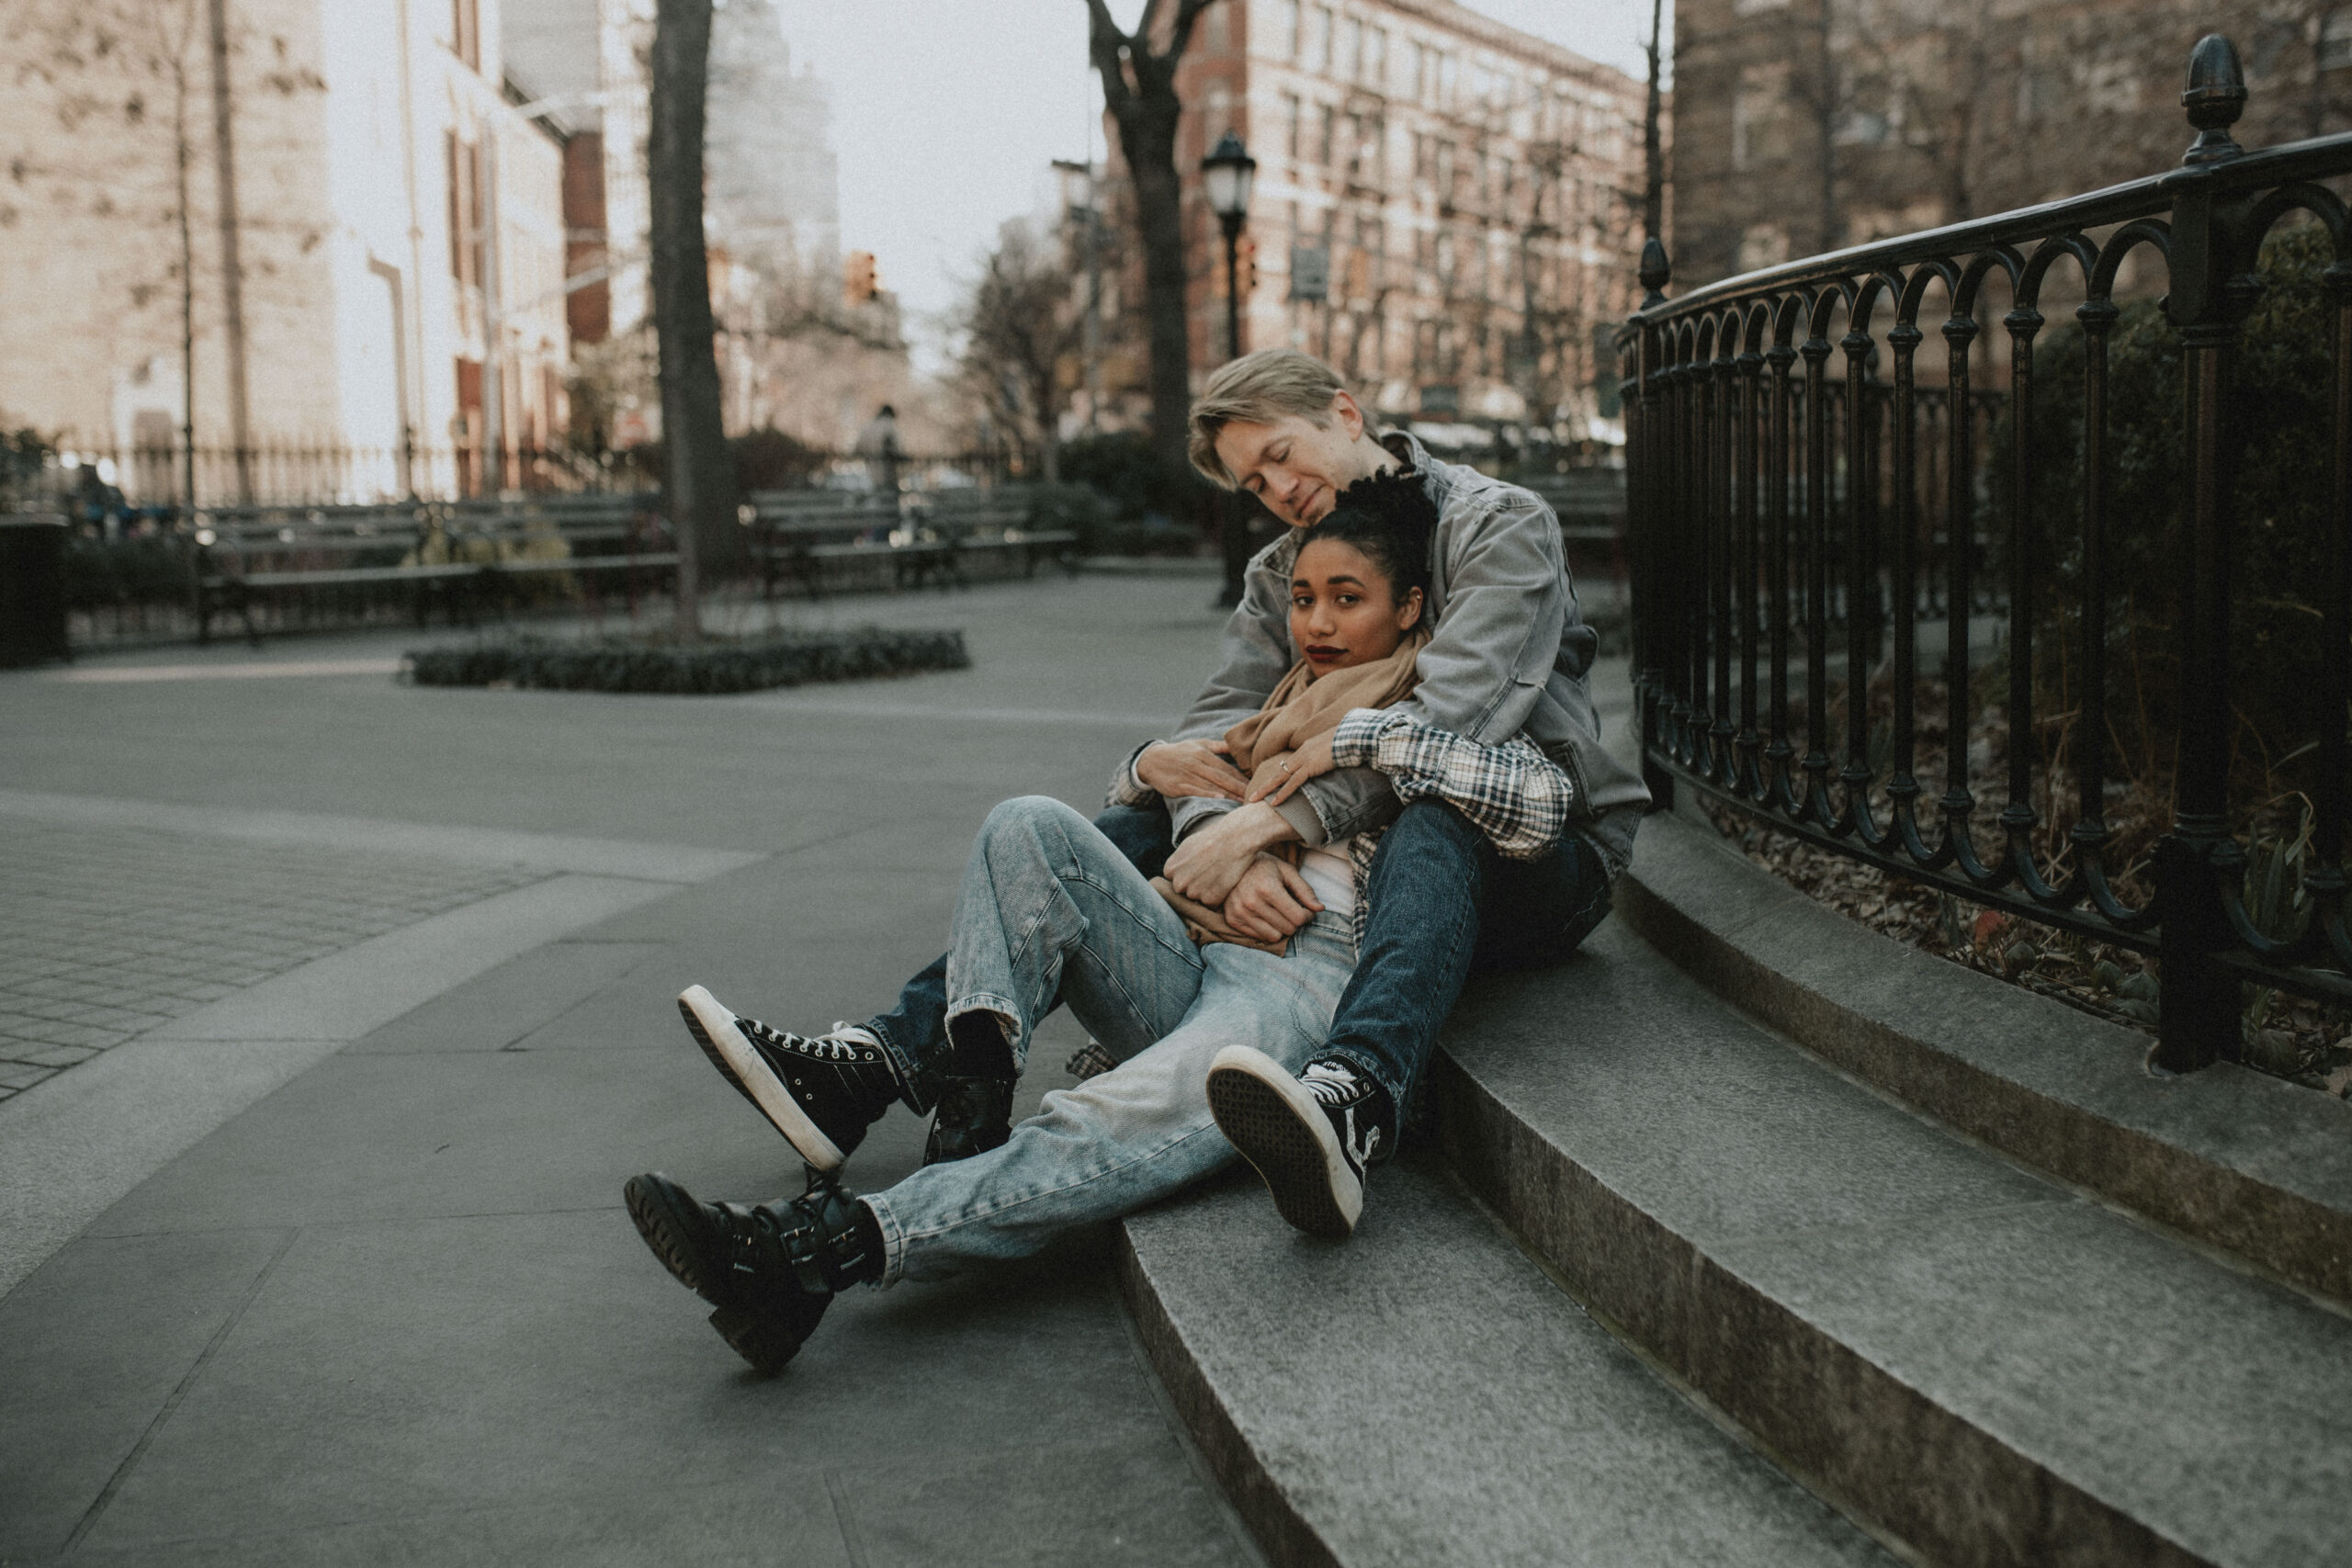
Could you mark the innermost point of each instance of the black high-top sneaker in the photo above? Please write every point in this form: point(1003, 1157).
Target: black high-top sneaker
point(820, 1092)
point(769, 1268)
point(973, 1116)
point(1309, 1136)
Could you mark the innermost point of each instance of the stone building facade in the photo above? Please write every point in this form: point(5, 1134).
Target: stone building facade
point(1446, 208)
point(1807, 125)
point(795, 352)
point(390, 212)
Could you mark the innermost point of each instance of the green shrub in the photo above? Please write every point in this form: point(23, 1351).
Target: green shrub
point(147, 570)
point(1126, 471)
point(769, 458)
point(690, 669)
point(1079, 508)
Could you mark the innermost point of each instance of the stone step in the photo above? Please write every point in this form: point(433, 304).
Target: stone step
point(2250, 1164)
point(1424, 1393)
point(1985, 1364)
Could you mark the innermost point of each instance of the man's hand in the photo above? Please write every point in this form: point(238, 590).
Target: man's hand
point(1270, 901)
point(1209, 862)
point(1191, 768)
point(1279, 782)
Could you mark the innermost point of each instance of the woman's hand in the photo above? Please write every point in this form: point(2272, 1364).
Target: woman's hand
point(1212, 856)
point(1191, 768)
point(1270, 901)
point(1277, 784)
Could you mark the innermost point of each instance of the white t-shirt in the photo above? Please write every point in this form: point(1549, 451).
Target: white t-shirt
point(1329, 869)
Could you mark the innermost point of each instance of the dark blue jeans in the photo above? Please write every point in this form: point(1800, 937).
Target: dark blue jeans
point(914, 1032)
point(1444, 905)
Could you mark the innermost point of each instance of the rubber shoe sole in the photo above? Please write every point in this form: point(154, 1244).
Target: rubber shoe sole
point(767, 1338)
point(714, 1030)
point(1282, 1131)
point(673, 1228)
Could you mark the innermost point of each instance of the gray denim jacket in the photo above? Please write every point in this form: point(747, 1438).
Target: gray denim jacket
point(1508, 654)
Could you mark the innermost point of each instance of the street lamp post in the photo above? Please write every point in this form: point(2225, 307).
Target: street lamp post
point(1225, 174)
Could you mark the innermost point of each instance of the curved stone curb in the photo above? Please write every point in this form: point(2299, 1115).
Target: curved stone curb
point(1425, 1394)
point(2250, 1164)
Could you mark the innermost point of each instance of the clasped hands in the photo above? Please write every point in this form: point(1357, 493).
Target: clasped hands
point(1226, 862)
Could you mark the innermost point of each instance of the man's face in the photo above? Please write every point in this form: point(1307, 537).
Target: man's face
point(1296, 466)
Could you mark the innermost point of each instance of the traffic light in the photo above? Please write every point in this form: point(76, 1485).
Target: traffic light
point(1247, 258)
point(858, 282)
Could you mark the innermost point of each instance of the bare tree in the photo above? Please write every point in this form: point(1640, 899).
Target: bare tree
point(1020, 335)
point(700, 482)
point(1139, 91)
point(1652, 154)
point(233, 270)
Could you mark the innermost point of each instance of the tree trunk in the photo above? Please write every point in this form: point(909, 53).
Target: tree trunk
point(233, 270)
point(1147, 139)
point(1139, 90)
point(699, 483)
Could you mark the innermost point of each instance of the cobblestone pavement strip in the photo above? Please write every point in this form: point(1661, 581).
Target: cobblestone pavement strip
point(104, 934)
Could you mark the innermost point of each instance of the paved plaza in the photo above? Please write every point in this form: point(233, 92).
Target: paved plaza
point(335, 1013)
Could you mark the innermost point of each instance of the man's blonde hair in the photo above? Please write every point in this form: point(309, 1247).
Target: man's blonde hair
point(1259, 389)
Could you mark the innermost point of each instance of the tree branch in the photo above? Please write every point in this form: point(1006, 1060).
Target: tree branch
point(1103, 43)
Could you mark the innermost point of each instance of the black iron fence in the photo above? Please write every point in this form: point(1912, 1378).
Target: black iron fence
point(116, 485)
point(2067, 547)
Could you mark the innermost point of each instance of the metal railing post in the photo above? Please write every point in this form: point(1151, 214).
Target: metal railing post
point(2199, 1002)
point(1646, 499)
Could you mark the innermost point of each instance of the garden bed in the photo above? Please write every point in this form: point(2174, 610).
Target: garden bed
point(709, 667)
point(2286, 1035)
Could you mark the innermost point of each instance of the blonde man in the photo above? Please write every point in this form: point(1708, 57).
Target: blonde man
point(1509, 654)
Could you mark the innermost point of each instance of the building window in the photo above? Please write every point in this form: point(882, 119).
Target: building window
point(2335, 41)
point(1324, 136)
point(465, 31)
point(1351, 61)
point(469, 238)
point(1318, 57)
point(1375, 57)
point(1293, 113)
point(1445, 67)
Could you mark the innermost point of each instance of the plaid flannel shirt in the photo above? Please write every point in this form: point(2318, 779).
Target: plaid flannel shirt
point(1512, 792)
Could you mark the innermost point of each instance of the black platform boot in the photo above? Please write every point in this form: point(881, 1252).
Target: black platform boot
point(770, 1269)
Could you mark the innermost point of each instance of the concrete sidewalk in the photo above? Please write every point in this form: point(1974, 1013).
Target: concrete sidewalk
point(322, 1257)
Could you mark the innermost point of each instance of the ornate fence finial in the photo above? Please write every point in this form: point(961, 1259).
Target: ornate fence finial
point(1655, 271)
point(2215, 98)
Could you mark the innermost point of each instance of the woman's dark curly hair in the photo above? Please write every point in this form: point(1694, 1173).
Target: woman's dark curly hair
point(1391, 519)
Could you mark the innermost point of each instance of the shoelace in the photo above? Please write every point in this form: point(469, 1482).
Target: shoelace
point(827, 1047)
point(1331, 1085)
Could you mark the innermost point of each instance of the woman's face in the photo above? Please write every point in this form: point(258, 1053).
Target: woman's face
point(1344, 610)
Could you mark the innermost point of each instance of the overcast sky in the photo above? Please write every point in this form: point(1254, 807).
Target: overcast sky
point(947, 113)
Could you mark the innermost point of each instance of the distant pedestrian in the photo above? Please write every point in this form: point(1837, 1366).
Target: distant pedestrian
point(878, 444)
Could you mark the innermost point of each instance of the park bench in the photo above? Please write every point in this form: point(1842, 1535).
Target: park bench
point(465, 553)
point(816, 538)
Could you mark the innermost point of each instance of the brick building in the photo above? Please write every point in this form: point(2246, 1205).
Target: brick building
point(389, 207)
point(1806, 125)
point(1446, 208)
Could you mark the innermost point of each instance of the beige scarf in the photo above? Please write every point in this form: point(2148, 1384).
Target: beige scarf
point(1301, 708)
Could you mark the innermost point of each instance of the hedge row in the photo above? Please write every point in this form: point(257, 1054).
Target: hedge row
point(703, 669)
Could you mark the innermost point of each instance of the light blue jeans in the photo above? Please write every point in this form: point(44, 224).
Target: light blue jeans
point(1050, 909)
